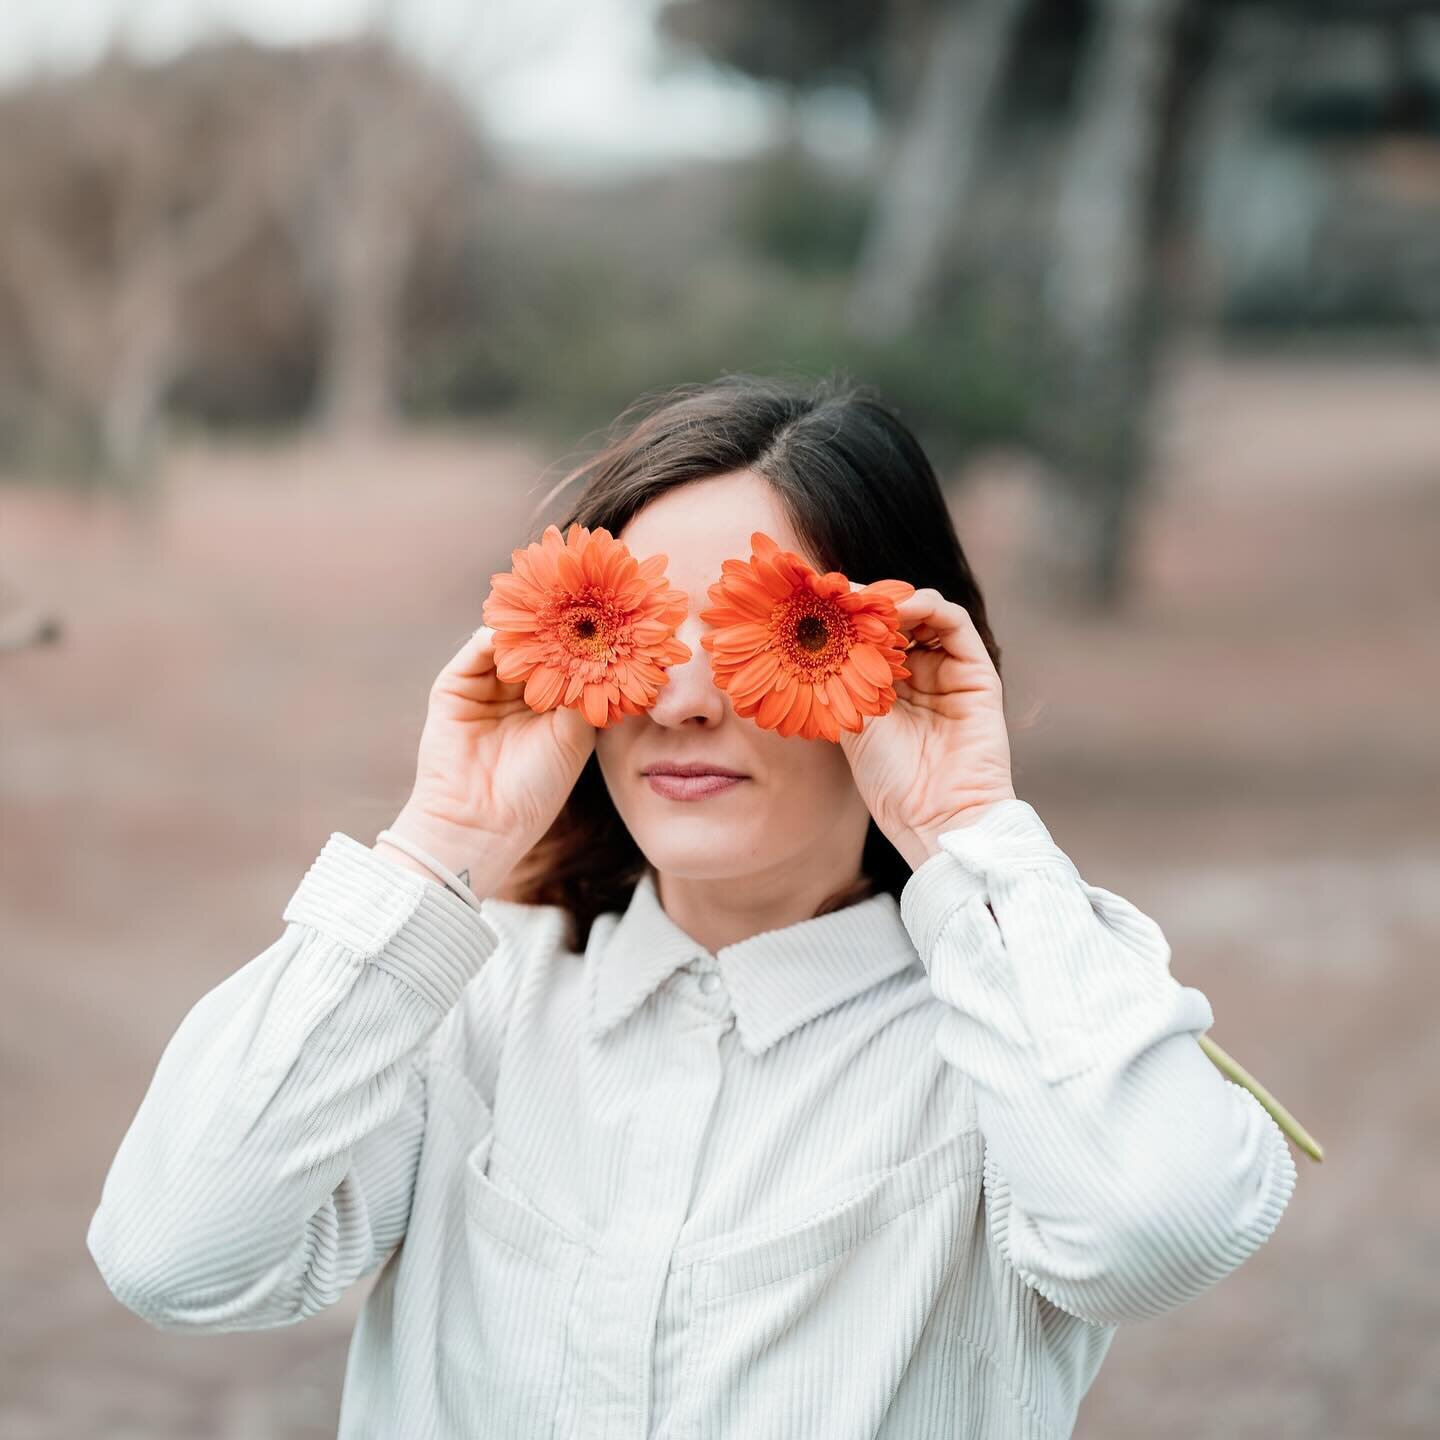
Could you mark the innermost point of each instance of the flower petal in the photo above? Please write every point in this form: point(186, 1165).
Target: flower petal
point(822, 720)
point(799, 715)
point(778, 585)
point(744, 638)
point(774, 707)
point(838, 695)
point(762, 545)
point(542, 689)
point(862, 693)
point(595, 705)
point(870, 663)
point(755, 675)
point(748, 594)
point(893, 590)
point(571, 571)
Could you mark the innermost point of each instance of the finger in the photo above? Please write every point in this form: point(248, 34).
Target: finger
point(476, 656)
point(930, 615)
point(923, 636)
point(471, 673)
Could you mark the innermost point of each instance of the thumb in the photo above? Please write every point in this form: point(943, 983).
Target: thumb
point(572, 729)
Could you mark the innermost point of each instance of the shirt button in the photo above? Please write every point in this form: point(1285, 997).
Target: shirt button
point(709, 982)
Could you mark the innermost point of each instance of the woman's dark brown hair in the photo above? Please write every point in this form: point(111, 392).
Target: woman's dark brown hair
point(857, 488)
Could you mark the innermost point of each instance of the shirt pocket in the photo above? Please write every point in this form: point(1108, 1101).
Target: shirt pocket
point(511, 1356)
point(833, 1307)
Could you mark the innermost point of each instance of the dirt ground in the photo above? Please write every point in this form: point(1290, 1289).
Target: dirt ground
point(1248, 752)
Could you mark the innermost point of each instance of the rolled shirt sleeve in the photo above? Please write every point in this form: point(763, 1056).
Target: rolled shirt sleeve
point(1124, 1174)
point(272, 1160)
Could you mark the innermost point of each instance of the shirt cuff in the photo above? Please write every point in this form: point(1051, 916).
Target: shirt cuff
point(385, 915)
point(1009, 832)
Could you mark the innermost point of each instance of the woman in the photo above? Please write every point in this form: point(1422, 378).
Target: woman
point(826, 1101)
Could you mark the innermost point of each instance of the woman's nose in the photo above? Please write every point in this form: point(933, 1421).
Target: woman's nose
point(690, 690)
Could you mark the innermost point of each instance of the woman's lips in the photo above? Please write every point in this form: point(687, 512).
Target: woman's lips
point(693, 787)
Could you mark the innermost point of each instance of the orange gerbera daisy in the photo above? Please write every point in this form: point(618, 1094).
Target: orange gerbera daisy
point(802, 652)
point(581, 622)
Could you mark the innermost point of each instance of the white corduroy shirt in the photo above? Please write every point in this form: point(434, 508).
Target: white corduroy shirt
point(898, 1170)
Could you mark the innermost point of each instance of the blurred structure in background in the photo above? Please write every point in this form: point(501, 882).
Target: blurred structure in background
point(238, 234)
point(248, 235)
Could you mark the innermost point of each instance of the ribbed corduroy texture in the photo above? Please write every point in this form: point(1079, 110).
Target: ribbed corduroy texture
point(896, 1171)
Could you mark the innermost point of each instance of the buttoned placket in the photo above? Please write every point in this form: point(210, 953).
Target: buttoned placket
point(692, 1015)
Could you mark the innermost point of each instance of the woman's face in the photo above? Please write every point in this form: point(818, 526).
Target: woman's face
point(797, 817)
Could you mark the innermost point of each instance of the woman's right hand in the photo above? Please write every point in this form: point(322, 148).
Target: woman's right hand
point(492, 774)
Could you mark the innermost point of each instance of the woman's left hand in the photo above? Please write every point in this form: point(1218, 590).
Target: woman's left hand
point(942, 753)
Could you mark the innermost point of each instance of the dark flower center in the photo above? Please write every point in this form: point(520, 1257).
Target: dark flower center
point(590, 627)
point(811, 634)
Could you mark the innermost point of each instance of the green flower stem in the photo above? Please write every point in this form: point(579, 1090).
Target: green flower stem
point(1286, 1121)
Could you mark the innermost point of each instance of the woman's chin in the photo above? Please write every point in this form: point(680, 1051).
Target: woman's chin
point(699, 851)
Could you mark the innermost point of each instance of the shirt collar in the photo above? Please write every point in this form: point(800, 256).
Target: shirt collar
point(776, 980)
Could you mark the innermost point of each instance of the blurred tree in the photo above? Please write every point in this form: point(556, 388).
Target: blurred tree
point(930, 170)
point(930, 68)
point(800, 44)
point(385, 149)
point(1102, 298)
point(109, 211)
point(954, 92)
point(135, 201)
point(790, 211)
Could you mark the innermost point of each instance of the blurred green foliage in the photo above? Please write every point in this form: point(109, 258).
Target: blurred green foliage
point(585, 322)
point(790, 212)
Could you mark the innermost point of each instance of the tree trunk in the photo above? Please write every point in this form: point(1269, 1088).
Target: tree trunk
point(932, 166)
point(368, 242)
point(1101, 291)
point(1102, 235)
point(146, 338)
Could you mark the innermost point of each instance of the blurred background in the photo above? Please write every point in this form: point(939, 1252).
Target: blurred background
point(305, 309)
